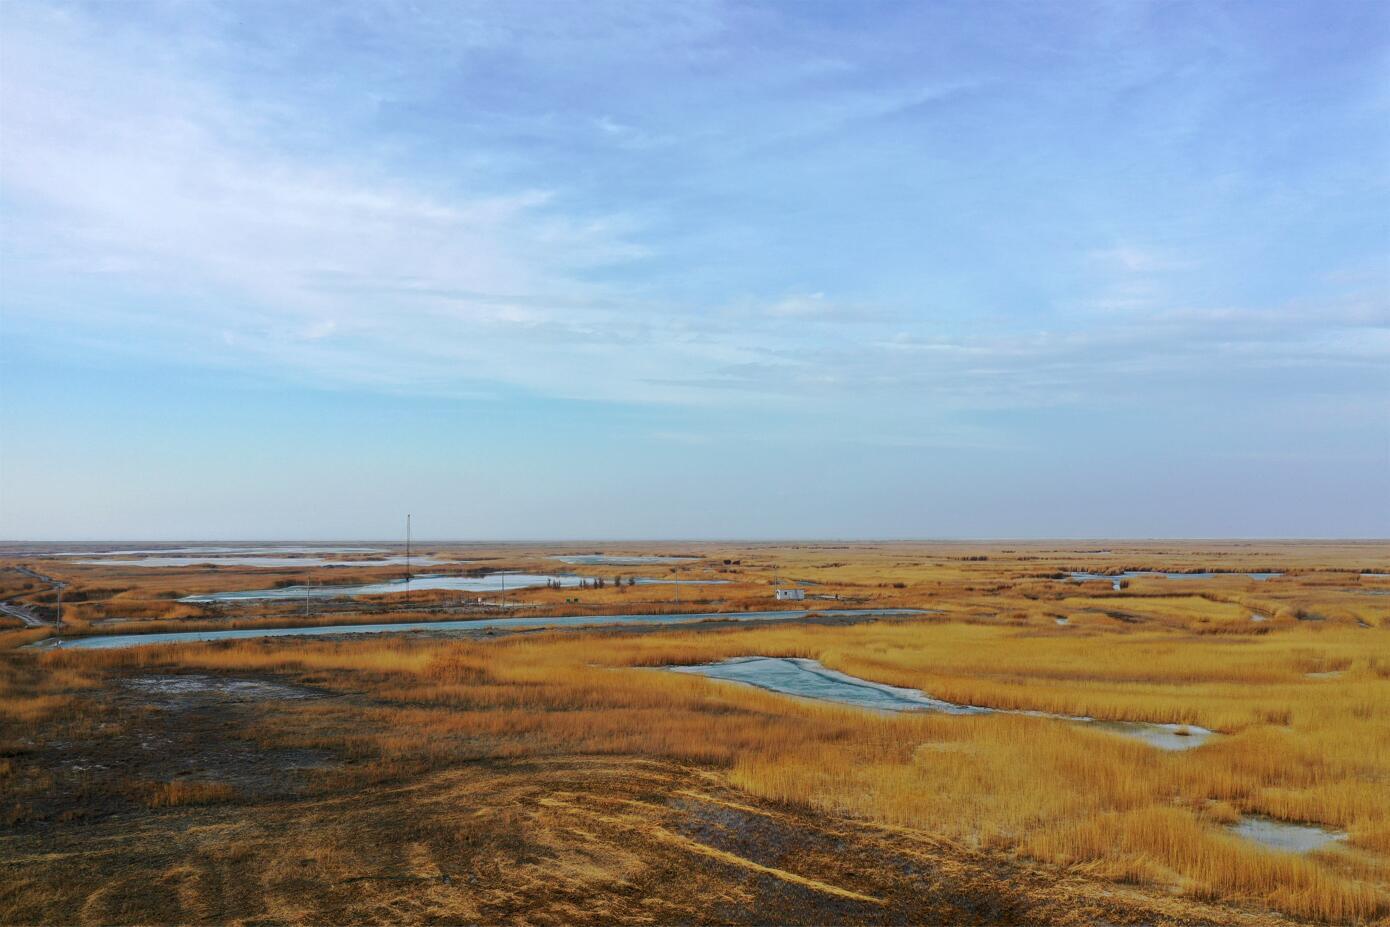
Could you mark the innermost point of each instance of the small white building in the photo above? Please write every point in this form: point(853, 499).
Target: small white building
point(790, 595)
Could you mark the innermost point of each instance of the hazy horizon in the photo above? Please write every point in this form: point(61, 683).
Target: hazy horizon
point(694, 271)
point(573, 541)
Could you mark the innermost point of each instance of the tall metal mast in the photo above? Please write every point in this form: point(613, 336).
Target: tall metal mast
point(407, 549)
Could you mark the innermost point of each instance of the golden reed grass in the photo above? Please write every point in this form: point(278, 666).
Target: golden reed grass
point(1314, 749)
point(187, 792)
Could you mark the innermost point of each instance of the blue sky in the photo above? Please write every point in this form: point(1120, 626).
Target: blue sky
point(539, 270)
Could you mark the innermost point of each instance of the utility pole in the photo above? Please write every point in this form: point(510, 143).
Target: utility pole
point(407, 551)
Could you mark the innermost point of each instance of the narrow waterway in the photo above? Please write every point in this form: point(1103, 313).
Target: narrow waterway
point(809, 679)
point(1281, 835)
point(491, 582)
point(471, 624)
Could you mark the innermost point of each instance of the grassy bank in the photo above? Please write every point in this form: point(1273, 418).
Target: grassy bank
point(1295, 747)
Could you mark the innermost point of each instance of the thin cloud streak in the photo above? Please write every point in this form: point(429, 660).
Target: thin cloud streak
point(909, 230)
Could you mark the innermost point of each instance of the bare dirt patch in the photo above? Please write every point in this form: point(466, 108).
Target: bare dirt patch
point(174, 686)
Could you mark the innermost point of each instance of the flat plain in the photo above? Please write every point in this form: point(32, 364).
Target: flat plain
point(527, 774)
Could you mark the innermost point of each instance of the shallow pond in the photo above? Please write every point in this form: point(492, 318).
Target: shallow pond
point(219, 550)
point(491, 582)
point(1280, 835)
point(267, 561)
point(231, 687)
point(1162, 736)
point(620, 559)
point(470, 624)
point(1082, 576)
point(809, 679)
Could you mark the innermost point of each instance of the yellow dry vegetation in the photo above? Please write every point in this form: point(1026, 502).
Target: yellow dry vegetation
point(1300, 699)
point(187, 792)
point(1296, 747)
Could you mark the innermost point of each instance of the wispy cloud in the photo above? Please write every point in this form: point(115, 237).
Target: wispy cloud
point(914, 255)
point(232, 223)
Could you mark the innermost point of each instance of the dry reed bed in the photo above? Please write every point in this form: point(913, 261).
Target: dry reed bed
point(1315, 750)
point(1015, 582)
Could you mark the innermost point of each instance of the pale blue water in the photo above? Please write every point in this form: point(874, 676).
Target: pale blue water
point(219, 550)
point(470, 624)
point(1279, 835)
point(491, 582)
point(620, 559)
point(809, 679)
point(1081, 576)
point(268, 562)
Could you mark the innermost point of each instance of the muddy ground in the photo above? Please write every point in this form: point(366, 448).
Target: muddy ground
point(552, 840)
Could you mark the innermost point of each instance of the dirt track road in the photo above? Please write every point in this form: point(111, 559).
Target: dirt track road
point(24, 613)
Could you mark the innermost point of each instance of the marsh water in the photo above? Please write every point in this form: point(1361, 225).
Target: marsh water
point(1115, 579)
point(490, 582)
point(279, 549)
point(1280, 835)
point(266, 562)
point(809, 679)
point(620, 559)
point(472, 624)
point(1082, 576)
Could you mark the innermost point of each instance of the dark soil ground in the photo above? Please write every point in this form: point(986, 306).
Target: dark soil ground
point(553, 840)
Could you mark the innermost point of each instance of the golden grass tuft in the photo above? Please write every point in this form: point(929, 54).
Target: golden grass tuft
point(186, 792)
point(1060, 792)
point(1296, 747)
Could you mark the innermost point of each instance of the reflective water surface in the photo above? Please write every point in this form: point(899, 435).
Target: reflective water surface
point(491, 582)
point(1280, 835)
point(470, 624)
point(266, 561)
point(809, 679)
point(279, 549)
point(1082, 576)
point(620, 559)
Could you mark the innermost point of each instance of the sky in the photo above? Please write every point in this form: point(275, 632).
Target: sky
point(694, 269)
